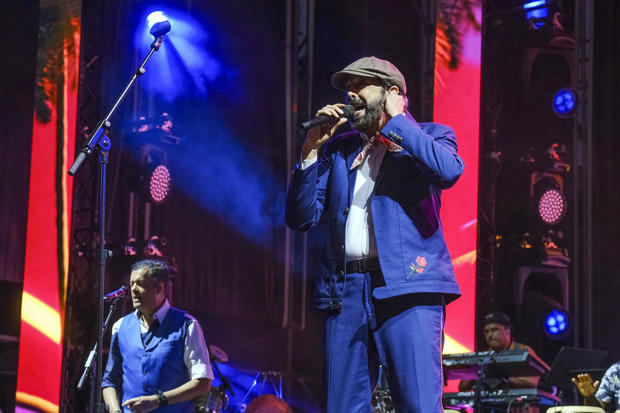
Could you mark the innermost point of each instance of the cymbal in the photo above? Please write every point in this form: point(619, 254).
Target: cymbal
point(268, 403)
point(217, 354)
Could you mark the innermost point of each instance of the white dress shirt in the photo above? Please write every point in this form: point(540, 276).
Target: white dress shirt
point(195, 356)
point(359, 235)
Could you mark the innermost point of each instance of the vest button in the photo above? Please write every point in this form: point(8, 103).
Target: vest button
point(346, 211)
point(341, 276)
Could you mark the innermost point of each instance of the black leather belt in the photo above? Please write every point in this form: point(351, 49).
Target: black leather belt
point(363, 265)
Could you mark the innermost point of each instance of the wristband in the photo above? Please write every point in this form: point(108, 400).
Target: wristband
point(163, 400)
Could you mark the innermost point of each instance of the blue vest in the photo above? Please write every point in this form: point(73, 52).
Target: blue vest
point(159, 365)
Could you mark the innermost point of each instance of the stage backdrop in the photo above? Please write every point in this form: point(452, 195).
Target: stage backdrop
point(457, 103)
point(49, 204)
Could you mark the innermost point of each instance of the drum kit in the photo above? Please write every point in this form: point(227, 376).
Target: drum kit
point(381, 399)
point(217, 400)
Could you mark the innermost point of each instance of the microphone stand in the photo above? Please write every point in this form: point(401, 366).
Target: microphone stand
point(99, 140)
point(91, 356)
point(225, 384)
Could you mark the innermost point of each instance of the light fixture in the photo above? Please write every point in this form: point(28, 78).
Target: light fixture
point(565, 102)
point(558, 324)
point(551, 205)
point(535, 11)
point(158, 23)
point(160, 184)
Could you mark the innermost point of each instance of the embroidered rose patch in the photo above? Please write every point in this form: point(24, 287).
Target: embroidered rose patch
point(417, 267)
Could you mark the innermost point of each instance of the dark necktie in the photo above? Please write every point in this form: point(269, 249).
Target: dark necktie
point(148, 336)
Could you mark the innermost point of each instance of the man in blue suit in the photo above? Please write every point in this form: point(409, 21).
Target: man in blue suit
point(385, 272)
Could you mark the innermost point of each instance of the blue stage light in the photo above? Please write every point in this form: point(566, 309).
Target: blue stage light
point(156, 17)
point(536, 10)
point(189, 64)
point(565, 102)
point(532, 4)
point(557, 324)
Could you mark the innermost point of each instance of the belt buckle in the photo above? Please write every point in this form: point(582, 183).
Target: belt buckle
point(363, 264)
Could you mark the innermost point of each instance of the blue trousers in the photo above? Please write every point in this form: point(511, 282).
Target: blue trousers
point(404, 334)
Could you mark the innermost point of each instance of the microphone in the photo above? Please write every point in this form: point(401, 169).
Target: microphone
point(348, 110)
point(160, 28)
point(120, 293)
point(158, 31)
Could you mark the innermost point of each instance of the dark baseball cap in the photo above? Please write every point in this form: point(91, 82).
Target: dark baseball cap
point(497, 317)
point(370, 67)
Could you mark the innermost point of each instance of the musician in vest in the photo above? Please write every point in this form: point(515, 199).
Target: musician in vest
point(158, 359)
point(385, 274)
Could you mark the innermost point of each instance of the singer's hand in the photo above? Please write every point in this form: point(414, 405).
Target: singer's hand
point(317, 136)
point(394, 104)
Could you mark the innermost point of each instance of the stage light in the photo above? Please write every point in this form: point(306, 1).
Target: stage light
point(533, 4)
point(547, 186)
point(160, 184)
point(551, 206)
point(535, 11)
point(565, 102)
point(156, 17)
point(558, 324)
point(156, 246)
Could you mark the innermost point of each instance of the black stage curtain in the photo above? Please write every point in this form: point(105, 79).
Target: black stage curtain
point(606, 105)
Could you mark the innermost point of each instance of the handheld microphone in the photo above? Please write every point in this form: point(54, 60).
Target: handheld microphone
point(349, 112)
point(120, 293)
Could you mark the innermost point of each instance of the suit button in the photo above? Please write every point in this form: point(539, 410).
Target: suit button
point(346, 211)
point(341, 276)
point(335, 306)
point(342, 247)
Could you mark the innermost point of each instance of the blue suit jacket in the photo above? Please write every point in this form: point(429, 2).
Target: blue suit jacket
point(405, 208)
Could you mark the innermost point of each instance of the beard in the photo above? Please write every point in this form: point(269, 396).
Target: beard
point(372, 112)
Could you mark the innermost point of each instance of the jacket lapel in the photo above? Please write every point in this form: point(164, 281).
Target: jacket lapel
point(389, 160)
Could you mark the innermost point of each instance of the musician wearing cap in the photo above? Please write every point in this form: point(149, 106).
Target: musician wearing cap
point(158, 358)
point(498, 335)
point(385, 273)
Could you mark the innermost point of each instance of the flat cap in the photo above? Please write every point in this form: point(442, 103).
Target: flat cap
point(370, 67)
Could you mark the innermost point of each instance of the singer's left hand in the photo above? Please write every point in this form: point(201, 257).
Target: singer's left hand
point(142, 404)
point(394, 104)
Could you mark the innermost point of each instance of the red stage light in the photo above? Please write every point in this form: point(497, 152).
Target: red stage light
point(160, 184)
